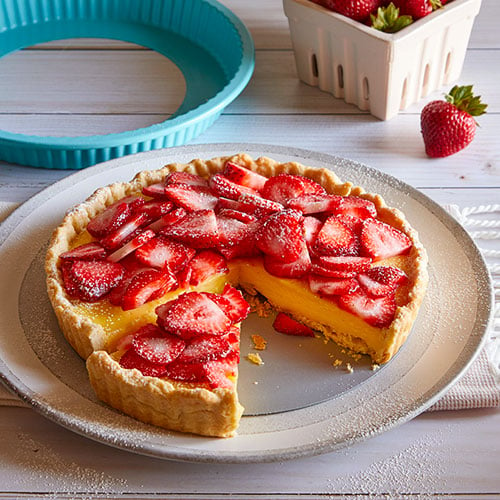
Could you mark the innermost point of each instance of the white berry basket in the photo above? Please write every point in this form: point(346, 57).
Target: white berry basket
point(379, 72)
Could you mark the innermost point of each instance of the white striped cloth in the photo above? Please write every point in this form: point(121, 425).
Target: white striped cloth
point(479, 387)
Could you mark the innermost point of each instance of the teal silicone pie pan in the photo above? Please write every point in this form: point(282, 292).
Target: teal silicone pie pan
point(208, 43)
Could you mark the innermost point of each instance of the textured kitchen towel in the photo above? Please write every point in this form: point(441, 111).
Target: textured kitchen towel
point(479, 387)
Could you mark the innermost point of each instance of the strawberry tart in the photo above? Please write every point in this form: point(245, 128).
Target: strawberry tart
point(150, 279)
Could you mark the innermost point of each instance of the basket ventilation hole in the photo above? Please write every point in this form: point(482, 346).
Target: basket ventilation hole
point(425, 83)
point(447, 64)
point(340, 76)
point(314, 65)
point(366, 89)
point(404, 94)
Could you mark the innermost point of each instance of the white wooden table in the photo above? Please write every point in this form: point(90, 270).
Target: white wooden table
point(84, 87)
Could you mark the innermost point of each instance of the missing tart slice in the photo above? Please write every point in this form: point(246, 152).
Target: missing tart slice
point(144, 276)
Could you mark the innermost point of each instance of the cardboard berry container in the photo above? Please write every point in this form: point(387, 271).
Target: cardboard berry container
point(379, 72)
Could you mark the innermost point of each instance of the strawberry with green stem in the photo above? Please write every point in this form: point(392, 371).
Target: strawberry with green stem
point(389, 20)
point(449, 126)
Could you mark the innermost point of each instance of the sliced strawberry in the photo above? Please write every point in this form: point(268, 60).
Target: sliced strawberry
point(191, 197)
point(244, 176)
point(192, 314)
point(357, 207)
point(147, 285)
point(156, 208)
point(227, 204)
point(124, 233)
point(88, 251)
point(236, 214)
point(168, 219)
point(285, 187)
point(186, 372)
point(205, 348)
point(258, 206)
point(90, 280)
point(330, 273)
point(346, 263)
point(281, 235)
point(157, 346)
point(131, 360)
point(110, 220)
point(184, 277)
point(382, 280)
point(285, 324)
point(125, 343)
point(160, 252)
point(205, 264)
point(156, 191)
point(378, 312)
point(135, 243)
point(335, 238)
point(295, 269)
point(322, 285)
point(221, 372)
point(220, 186)
point(238, 239)
point(312, 227)
point(231, 230)
point(315, 203)
point(355, 224)
point(185, 178)
point(197, 229)
point(381, 241)
point(232, 303)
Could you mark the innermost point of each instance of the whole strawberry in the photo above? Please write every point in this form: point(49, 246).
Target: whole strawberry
point(417, 8)
point(449, 126)
point(358, 10)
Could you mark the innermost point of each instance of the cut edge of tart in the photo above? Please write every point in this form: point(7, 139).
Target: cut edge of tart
point(199, 408)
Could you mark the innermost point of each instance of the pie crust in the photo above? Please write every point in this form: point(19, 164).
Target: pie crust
point(190, 407)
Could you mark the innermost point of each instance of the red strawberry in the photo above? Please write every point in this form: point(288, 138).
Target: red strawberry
point(185, 178)
point(207, 263)
point(191, 197)
point(358, 10)
point(220, 186)
point(285, 324)
point(357, 207)
point(110, 220)
point(156, 208)
point(132, 245)
point(236, 214)
point(205, 348)
point(316, 203)
point(160, 252)
point(295, 269)
point(90, 280)
point(417, 8)
point(346, 263)
point(285, 187)
point(257, 205)
point(88, 251)
point(156, 191)
point(192, 314)
point(124, 233)
point(147, 285)
point(168, 219)
point(232, 303)
point(226, 203)
point(155, 345)
point(332, 286)
point(381, 280)
point(352, 222)
point(197, 229)
point(231, 231)
point(312, 227)
point(449, 126)
point(281, 235)
point(335, 238)
point(378, 312)
point(218, 371)
point(331, 273)
point(186, 372)
point(381, 241)
point(244, 176)
point(131, 360)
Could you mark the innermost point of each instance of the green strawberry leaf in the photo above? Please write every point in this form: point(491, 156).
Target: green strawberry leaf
point(463, 98)
point(388, 19)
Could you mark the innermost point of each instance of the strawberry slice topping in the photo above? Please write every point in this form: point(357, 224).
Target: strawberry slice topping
point(156, 208)
point(312, 227)
point(191, 197)
point(244, 176)
point(131, 360)
point(316, 203)
point(168, 219)
point(295, 269)
point(357, 207)
point(232, 303)
point(88, 251)
point(285, 187)
point(156, 346)
point(257, 205)
point(381, 241)
point(207, 263)
point(147, 285)
point(125, 232)
point(110, 219)
point(205, 348)
point(332, 286)
point(281, 235)
point(335, 238)
point(192, 314)
point(346, 263)
point(287, 325)
point(382, 280)
point(221, 186)
point(185, 178)
point(331, 273)
point(378, 312)
point(132, 245)
point(236, 214)
point(197, 229)
point(160, 252)
point(91, 280)
point(156, 191)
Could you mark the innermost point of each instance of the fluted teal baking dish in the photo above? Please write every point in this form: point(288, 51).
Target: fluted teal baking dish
point(208, 43)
